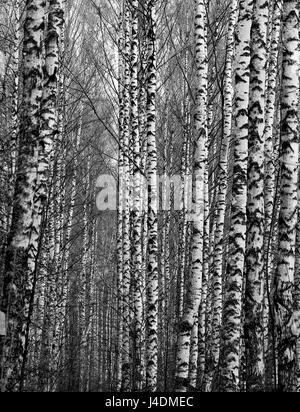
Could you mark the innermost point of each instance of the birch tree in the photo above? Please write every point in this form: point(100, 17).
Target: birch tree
point(126, 213)
point(231, 331)
point(48, 134)
point(16, 297)
point(221, 200)
point(254, 288)
point(136, 215)
point(287, 319)
point(152, 270)
point(193, 292)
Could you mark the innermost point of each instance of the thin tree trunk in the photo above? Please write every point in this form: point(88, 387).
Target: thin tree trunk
point(126, 213)
point(17, 287)
point(137, 272)
point(120, 211)
point(152, 269)
point(221, 203)
point(232, 311)
point(254, 289)
point(287, 319)
point(193, 292)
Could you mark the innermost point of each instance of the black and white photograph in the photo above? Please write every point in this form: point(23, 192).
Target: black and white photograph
point(149, 199)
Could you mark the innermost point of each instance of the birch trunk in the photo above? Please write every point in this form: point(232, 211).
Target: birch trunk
point(17, 289)
point(270, 182)
point(138, 381)
point(231, 332)
point(254, 292)
point(120, 211)
point(48, 134)
point(152, 269)
point(221, 203)
point(288, 319)
point(193, 292)
point(126, 214)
